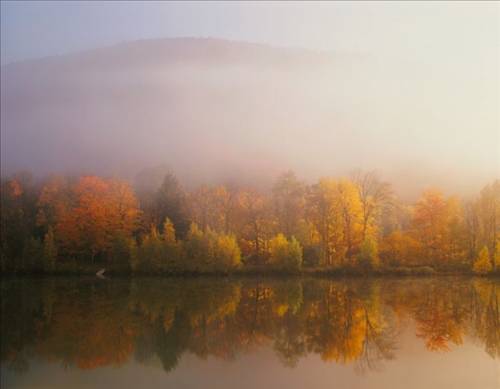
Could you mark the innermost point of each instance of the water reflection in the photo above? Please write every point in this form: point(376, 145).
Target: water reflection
point(86, 324)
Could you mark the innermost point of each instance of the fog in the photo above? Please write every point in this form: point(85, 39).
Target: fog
point(217, 111)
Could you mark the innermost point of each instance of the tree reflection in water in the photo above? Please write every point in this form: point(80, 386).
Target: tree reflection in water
point(92, 323)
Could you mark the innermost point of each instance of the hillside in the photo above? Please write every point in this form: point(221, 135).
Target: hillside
point(216, 110)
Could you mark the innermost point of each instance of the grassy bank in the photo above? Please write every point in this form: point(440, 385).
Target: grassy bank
point(78, 269)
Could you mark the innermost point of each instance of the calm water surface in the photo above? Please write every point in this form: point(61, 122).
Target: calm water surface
point(250, 333)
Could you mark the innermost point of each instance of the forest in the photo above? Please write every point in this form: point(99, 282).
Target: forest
point(80, 224)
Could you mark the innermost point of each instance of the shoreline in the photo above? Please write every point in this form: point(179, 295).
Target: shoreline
point(313, 273)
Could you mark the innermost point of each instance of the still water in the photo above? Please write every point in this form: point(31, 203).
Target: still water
point(250, 333)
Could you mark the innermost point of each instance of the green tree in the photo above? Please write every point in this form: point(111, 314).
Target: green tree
point(150, 252)
point(171, 202)
point(368, 253)
point(169, 231)
point(206, 251)
point(17, 217)
point(284, 253)
point(194, 248)
point(227, 253)
point(171, 246)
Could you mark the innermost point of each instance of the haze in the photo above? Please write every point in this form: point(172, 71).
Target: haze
point(412, 90)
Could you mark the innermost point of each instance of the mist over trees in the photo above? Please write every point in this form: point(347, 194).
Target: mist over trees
point(336, 224)
point(218, 111)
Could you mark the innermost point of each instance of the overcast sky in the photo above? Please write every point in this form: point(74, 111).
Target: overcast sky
point(430, 79)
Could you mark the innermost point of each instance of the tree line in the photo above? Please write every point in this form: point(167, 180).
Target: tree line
point(355, 223)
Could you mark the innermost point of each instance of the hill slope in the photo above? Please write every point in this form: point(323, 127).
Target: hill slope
point(217, 110)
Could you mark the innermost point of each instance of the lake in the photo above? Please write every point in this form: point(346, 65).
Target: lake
point(250, 333)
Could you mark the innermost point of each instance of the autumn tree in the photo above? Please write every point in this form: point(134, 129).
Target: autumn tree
point(374, 195)
point(482, 264)
point(98, 212)
point(214, 207)
point(435, 219)
point(209, 250)
point(288, 203)
point(400, 248)
point(157, 252)
point(368, 254)
point(225, 251)
point(489, 217)
point(324, 215)
point(169, 232)
point(149, 256)
point(56, 199)
point(335, 210)
point(285, 254)
point(472, 228)
point(347, 198)
point(256, 221)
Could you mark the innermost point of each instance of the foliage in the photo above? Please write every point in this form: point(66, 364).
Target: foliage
point(285, 254)
point(88, 215)
point(169, 232)
point(341, 224)
point(398, 248)
point(368, 254)
point(157, 252)
point(211, 250)
point(482, 264)
point(170, 202)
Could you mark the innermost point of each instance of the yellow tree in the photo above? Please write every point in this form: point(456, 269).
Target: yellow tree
point(324, 215)
point(489, 217)
point(169, 231)
point(373, 195)
point(349, 204)
point(334, 209)
point(456, 245)
point(482, 264)
point(472, 228)
point(256, 220)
